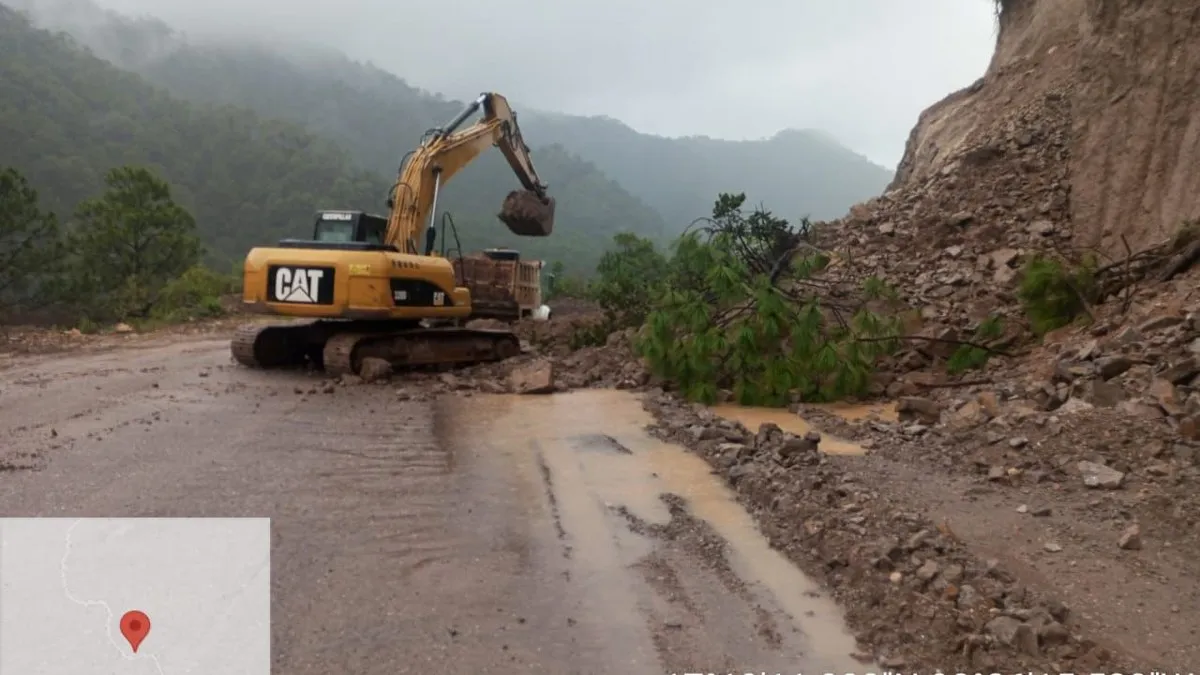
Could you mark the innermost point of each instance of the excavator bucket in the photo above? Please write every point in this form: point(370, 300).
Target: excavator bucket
point(528, 215)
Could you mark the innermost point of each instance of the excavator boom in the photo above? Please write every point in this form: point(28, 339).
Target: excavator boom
point(447, 150)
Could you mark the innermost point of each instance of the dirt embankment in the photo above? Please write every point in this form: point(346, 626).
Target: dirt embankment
point(1089, 116)
point(1080, 138)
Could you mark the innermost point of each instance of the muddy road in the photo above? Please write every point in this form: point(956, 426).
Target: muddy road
point(474, 533)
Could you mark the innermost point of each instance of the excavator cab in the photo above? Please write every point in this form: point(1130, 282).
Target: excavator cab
point(344, 231)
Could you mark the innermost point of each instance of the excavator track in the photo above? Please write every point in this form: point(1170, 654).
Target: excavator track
point(340, 346)
point(443, 345)
point(278, 345)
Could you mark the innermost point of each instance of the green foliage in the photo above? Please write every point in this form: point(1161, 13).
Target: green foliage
point(561, 285)
point(628, 280)
point(132, 255)
point(730, 312)
point(196, 294)
point(1053, 295)
point(969, 357)
point(128, 244)
point(377, 117)
point(67, 117)
point(30, 243)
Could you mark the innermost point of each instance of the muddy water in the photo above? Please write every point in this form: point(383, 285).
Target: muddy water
point(752, 418)
point(584, 458)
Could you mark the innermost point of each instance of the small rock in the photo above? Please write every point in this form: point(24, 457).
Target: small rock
point(1100, 476)
point(536, 377)
point(1053, 633)
point(1131, 538)
point(928, 571)
point(375, 369)
point(1014, 633)
point(953, 574)
point(1052, 547)
point(923, 409)
point(1112, 366)
point(122, 328)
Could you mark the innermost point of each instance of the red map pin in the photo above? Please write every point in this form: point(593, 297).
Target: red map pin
point(135, 626)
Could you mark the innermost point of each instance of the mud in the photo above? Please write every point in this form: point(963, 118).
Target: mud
point(704, 571)
point(546, 534)
point(753, 418)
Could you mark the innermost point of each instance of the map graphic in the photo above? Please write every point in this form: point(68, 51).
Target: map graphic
point(135, 596)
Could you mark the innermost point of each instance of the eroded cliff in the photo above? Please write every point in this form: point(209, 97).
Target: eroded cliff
point(1088, 117)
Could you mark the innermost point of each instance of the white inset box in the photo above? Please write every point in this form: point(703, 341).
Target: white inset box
point(76, 595)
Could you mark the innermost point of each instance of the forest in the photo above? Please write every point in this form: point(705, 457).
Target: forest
point(248, 141)
point(67, 117)
point(608, 177)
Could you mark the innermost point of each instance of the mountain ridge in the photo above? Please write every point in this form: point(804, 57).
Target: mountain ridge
point(796, 172)
point(249, 178)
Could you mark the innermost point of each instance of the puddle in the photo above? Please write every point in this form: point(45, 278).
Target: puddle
point(752, 418)
point(592, 445)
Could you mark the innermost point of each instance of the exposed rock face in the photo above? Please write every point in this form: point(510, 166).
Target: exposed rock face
point(1086, 119)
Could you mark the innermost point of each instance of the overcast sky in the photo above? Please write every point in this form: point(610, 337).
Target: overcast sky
point(861, 70)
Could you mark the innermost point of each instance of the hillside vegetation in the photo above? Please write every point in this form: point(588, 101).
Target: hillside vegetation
point(377, 117)
point(67, 117)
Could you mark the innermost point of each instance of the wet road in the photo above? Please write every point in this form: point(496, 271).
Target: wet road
point(476, 534)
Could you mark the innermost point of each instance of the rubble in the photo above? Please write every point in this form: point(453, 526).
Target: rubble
point(913, 592)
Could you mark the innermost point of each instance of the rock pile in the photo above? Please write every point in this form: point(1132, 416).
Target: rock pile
point(914, 595)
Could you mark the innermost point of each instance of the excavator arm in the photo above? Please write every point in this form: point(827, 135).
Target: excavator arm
point(447, 150)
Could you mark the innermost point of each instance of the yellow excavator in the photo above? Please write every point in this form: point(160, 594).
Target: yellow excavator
point(365, 288)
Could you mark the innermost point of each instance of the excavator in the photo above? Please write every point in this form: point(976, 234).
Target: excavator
point(362, 288)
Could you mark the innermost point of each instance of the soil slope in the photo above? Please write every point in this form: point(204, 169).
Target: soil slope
point(1087, 117)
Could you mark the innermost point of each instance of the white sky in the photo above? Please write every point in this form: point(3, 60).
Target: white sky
point(861, 70)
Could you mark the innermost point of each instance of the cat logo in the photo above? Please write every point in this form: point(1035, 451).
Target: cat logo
point(336, 215)
point(297, 285)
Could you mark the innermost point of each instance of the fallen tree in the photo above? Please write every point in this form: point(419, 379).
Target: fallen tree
point(741, 305)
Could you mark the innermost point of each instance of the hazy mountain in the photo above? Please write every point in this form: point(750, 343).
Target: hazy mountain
point(795, 173)
point(378, 116)
point(68, 116)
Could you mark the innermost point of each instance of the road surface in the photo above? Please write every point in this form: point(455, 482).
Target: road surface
point(473, 534)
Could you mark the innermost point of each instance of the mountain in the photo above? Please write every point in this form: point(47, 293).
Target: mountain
point(795, 173)
point(69, 116)
point(378, 116)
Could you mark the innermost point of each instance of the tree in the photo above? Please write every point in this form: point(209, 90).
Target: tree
point(29, 242)
point(627, 279)
point(129, 243)
point(743, 306)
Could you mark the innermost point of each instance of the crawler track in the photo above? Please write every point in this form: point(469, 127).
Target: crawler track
point(340, 346)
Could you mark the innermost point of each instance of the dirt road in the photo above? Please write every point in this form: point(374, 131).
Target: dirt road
point(474, 534)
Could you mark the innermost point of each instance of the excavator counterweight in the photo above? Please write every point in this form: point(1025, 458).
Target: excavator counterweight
point(371, 286)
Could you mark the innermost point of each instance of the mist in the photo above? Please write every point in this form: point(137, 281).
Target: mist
point(859, 71)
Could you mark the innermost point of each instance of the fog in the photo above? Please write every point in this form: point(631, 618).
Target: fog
point(861, 70)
